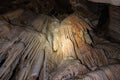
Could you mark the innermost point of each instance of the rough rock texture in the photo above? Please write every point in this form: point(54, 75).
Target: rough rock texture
point(113, 2)
point(114, 25)
point(54, 50)
point(36, 46)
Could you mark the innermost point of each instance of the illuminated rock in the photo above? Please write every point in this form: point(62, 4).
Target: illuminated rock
point(55, 51)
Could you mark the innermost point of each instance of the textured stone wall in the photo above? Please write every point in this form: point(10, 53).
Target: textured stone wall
point(113, 2)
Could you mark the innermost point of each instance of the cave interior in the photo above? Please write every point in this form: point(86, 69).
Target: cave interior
point(59, 40)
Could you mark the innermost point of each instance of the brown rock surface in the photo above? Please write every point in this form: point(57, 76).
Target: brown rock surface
point(54, 50)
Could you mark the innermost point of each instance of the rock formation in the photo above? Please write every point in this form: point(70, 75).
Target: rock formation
point(35, 46)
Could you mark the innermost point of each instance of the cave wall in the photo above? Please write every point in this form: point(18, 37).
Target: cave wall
point(45, 40)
